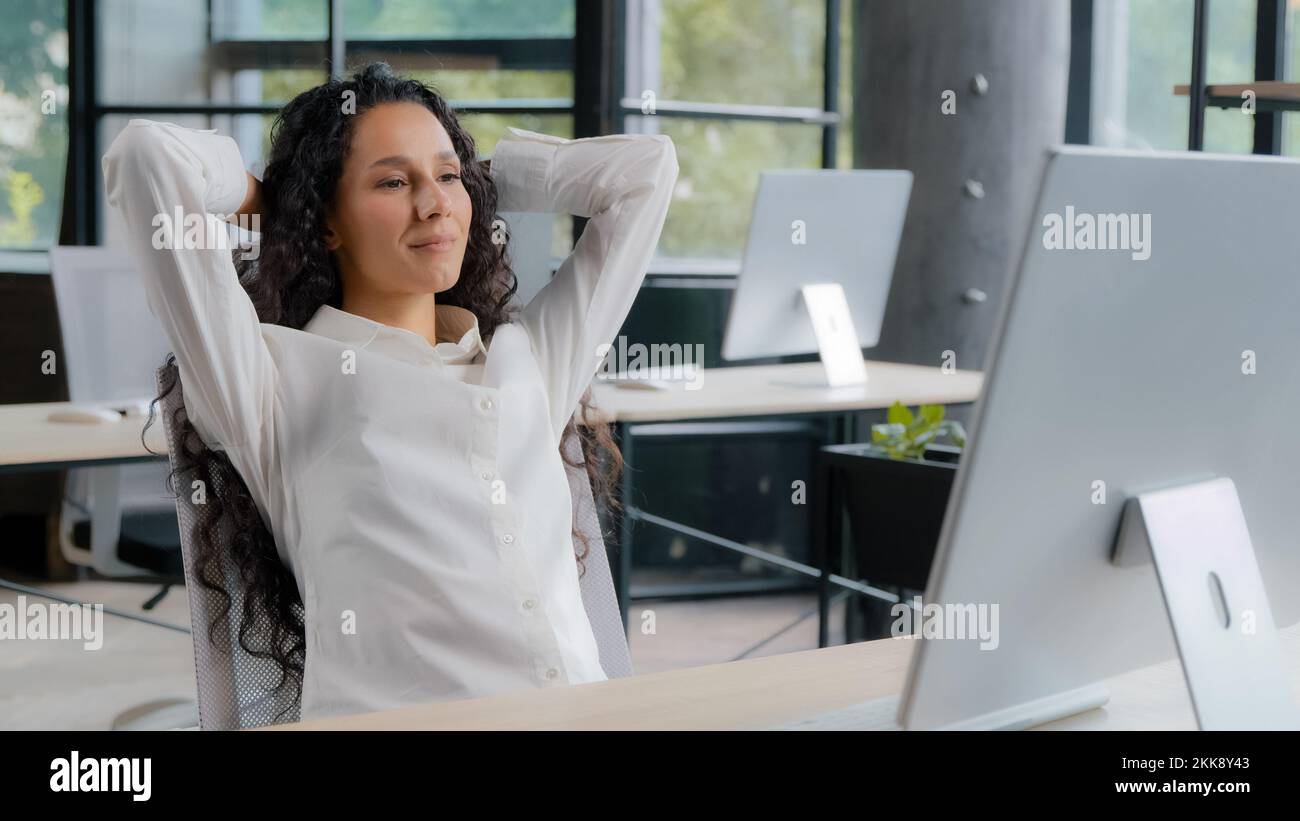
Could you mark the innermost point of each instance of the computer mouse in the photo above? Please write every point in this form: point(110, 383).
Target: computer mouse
point(136, 410)
point(85, 415)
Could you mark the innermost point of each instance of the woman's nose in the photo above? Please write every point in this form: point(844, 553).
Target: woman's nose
point(432, 200)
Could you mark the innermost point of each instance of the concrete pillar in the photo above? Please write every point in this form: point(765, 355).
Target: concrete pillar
point(976, 170)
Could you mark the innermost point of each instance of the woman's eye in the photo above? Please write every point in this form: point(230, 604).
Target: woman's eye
point(450, 177)
point(392, 184)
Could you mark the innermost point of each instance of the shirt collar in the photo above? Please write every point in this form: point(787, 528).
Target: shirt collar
point(459, 341)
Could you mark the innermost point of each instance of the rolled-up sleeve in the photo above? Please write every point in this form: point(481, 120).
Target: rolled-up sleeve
point(156, 171)
point(623, 183)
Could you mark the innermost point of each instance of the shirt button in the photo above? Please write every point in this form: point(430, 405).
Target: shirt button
point(486, 475)
point(485, 404)
point(529, 604)
point(552, 673)
point(508, 539)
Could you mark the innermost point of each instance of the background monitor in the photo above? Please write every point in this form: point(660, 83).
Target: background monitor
point(112, 343)
point(811, 227)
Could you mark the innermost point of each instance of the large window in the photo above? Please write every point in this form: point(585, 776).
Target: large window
point(33, 122)
point(1143, 48)
point(231, 64)
point(741, 87)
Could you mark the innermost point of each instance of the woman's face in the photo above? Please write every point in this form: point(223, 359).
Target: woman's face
point(401, 215)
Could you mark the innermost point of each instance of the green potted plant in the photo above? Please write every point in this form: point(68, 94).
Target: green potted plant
point(916, 436)
point(896, 490)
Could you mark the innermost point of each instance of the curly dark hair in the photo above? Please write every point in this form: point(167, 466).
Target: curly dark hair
point(288, 280)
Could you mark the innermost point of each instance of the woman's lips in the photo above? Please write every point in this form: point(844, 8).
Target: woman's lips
point(436, 247)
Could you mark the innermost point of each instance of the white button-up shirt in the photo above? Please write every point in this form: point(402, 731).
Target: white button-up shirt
point(416, 491)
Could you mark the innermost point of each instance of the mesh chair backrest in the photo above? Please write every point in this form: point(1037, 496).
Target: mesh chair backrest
point(598, 596)
point(237, 690)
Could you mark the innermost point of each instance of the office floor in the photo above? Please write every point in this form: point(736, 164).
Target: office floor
point(60, 685)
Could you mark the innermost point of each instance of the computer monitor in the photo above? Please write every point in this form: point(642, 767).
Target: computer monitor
point(1148, 347)
point(818, 228)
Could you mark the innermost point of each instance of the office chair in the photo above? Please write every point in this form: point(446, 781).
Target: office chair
point(236, 690)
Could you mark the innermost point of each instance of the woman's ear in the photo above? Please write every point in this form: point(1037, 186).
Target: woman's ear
point(332, 238)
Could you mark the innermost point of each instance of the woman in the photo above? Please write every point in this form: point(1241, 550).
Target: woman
point(393, 420)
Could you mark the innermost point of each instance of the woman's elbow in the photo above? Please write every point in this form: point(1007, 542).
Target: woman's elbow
point(666, 158)
point(147, 158)
point(132, 155)
point(132, 146)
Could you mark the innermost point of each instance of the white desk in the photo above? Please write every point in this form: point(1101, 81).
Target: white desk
point(762, 390)
point(29, 441)
point(768, 692)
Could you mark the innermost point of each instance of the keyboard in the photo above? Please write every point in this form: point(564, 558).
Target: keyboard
point(876, 714)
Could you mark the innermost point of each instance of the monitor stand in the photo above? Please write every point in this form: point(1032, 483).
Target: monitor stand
point(1196, 536)
point(1039, 711)
point(837, 340)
